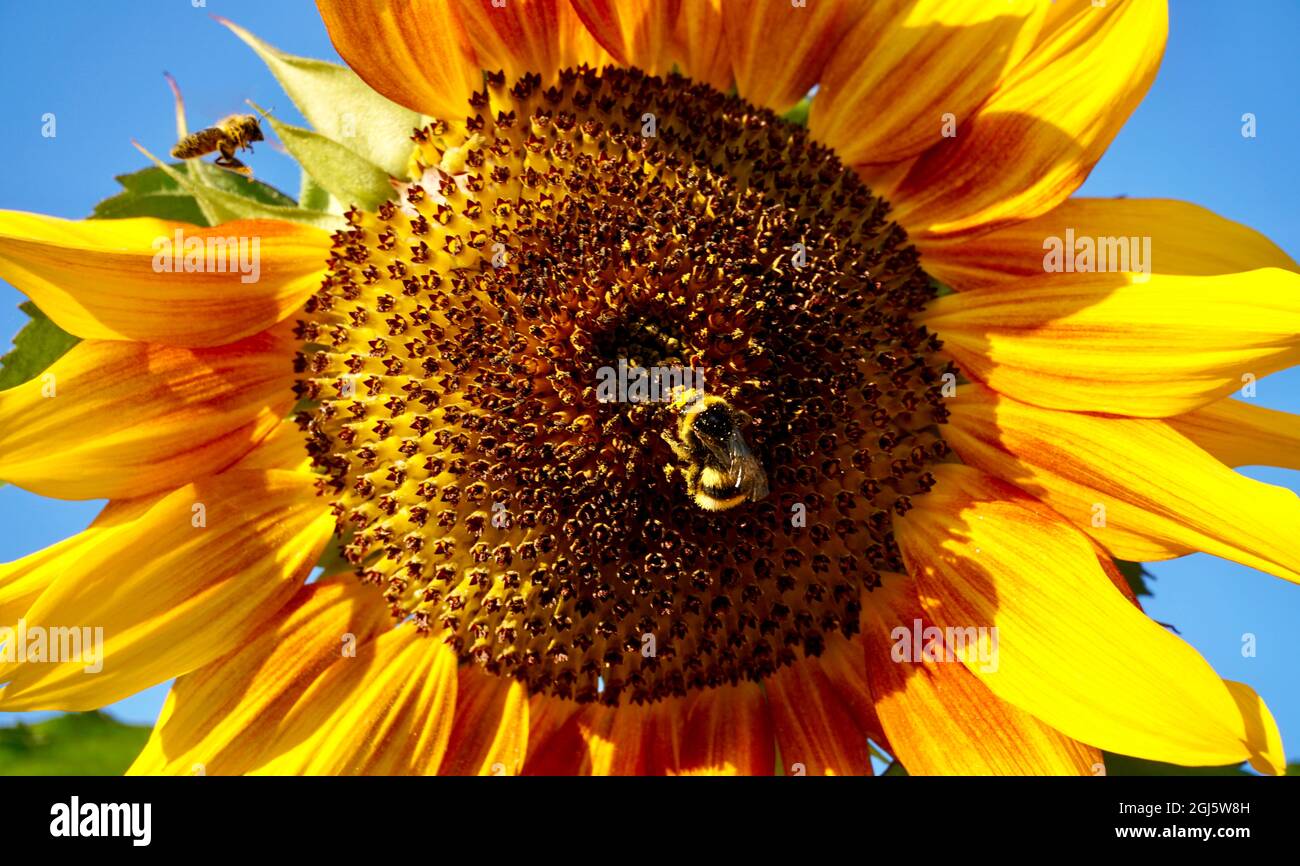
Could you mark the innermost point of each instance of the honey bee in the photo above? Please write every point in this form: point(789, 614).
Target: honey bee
point(719, 469)
point(236, 132)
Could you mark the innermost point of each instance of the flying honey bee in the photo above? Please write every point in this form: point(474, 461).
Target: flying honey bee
point(720, 470)
point(236, 132)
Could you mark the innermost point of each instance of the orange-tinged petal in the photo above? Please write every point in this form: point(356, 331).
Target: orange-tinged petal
point(908, 74)
point(727, 731)
point(635, 32)
point(815, 731)
point(387, 711)
point(625, 740)
point(489, 735)
point(1184, 239)
point(941, 720)
point(701, 44)
point(1030, 146)
point(778, 50)
point(1071, 649)
point(127, 279)
point(415, 53)
point(553, 750)
point(219, 719)
point(845, 666)
point(1243, 434)
point(182, 583)
point(1136, 485)
point(541, 36)
point(1125, 344)
point(115, 419)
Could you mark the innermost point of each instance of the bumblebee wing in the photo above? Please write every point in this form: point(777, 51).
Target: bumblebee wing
point(745, 466)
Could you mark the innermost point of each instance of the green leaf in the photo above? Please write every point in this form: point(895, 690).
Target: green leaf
point(1136, 574)
point(222, 206)
point(151, 192)
point(77, 744)
point(351, 179)
point(339, 105)
point(38, 345)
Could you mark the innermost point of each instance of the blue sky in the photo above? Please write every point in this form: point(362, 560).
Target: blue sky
point(98, 68)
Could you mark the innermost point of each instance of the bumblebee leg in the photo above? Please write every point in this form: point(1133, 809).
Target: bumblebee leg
point(679, 450)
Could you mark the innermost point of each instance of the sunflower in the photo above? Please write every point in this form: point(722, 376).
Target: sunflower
point(958, 442)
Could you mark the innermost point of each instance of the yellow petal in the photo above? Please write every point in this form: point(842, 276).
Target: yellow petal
point(909, 74)
point(119, 279)
point(116, 419)
point(778, 50)
point(940, 719)
point(183, 582)
point(1030, 146)
point(1138, 486)
point(634, 32)
point(815, 730)
point(387, 711)
point(283, 448)
point(219, 719)
point(1269, 757)
point(1184, 239)
point(415, 53)
point(1243, 434)
point(1124, 343)
point(1071, 649)
point(489, 735)
point(23, 580)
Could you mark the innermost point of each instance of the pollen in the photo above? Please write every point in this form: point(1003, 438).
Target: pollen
point(453, 351)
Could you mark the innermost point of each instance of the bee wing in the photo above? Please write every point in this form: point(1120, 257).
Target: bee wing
point(745, 466)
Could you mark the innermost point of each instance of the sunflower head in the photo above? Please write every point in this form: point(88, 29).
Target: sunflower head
point(618, 218)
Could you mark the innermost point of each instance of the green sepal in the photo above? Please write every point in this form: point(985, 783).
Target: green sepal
point(38, 345)
point(222, 206)
point(312, 196)
point(349, 178)
point(799, 114)
point(340, 106)
point(152, 192)
point(1136, 575)
point(1124, 765)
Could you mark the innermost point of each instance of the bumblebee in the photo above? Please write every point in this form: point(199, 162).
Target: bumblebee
point(719, 469)
point(236, 132)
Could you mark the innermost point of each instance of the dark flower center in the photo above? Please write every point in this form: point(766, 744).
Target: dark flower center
point(507, 505)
